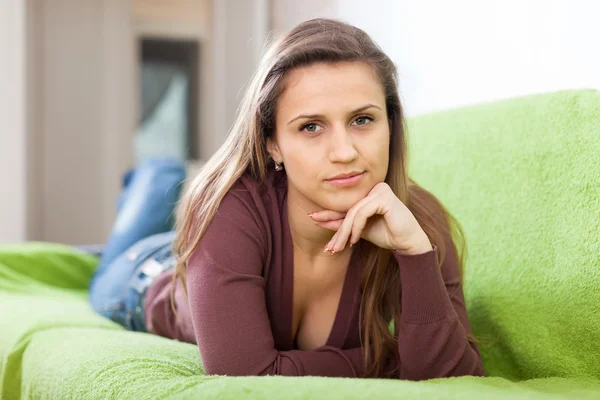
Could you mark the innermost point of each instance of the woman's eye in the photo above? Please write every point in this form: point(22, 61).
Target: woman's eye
point(362, 120)
point(310, 128)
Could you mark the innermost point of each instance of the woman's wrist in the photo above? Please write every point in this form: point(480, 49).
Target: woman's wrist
point(416, 246)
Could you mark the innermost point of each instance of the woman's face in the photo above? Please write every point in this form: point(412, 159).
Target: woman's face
point(331, 120)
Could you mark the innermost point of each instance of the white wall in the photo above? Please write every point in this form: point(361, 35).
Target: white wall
point(452, 53)
point(240, 30)
point(13, 134)
point(285, 14)
point(67, 116)
point(85, 115)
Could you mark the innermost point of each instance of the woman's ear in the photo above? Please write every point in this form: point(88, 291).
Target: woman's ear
point(273, 150)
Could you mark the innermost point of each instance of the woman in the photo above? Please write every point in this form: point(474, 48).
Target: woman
point(304, 248)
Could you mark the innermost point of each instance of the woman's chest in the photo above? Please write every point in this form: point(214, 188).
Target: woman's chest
point(308, 309)
point(316, 300)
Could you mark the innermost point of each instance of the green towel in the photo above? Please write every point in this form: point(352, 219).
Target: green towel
point(522, 176)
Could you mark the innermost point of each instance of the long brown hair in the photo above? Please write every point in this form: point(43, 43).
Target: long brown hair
point(317, 41)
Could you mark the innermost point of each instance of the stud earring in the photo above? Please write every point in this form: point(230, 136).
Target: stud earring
point(278, 166)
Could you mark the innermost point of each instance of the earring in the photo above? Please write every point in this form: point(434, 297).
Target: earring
point(278, 166)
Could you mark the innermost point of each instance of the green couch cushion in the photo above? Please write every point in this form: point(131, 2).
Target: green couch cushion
point(42, 267)
point(128, 365)
point(522, 177)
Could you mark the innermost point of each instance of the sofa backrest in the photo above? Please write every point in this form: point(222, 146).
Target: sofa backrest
point(523, 178)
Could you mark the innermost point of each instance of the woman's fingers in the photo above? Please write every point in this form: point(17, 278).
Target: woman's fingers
point(380, 218)
point(343, 234)
point(360, 220)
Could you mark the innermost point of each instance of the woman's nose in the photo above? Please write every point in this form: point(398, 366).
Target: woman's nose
point(342, 146)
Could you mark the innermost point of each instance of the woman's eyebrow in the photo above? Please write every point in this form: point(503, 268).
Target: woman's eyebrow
point(313, 116)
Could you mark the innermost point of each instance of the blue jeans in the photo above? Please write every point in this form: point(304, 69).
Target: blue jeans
point(139, 247)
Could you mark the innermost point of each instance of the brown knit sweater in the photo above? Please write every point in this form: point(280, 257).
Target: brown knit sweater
point(239, 309)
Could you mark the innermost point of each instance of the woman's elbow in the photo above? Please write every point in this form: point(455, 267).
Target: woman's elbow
point(229, 369)
point(236, 367)
point(472, 368)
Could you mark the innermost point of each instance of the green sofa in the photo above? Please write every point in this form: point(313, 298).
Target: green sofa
point(522, 176)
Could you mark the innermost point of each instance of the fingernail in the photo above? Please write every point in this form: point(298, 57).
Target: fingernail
point(326, 248)
point(332, 252)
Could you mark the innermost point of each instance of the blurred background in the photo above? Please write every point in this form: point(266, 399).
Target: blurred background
point(88, 88)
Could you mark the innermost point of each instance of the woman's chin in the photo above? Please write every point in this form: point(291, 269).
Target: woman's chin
point(342, 202)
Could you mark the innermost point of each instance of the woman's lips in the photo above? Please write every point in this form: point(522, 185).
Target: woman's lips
point(346, 182)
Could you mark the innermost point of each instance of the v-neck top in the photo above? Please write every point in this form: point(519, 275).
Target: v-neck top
point(348, 299)
point(239, 302)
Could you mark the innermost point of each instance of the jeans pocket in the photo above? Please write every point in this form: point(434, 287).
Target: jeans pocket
point(149, 246)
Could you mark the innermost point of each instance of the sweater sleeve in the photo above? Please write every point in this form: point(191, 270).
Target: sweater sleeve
point(433, 327)
point(228, 308)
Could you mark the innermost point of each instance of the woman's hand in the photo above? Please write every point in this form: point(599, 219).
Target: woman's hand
point(381, 218)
